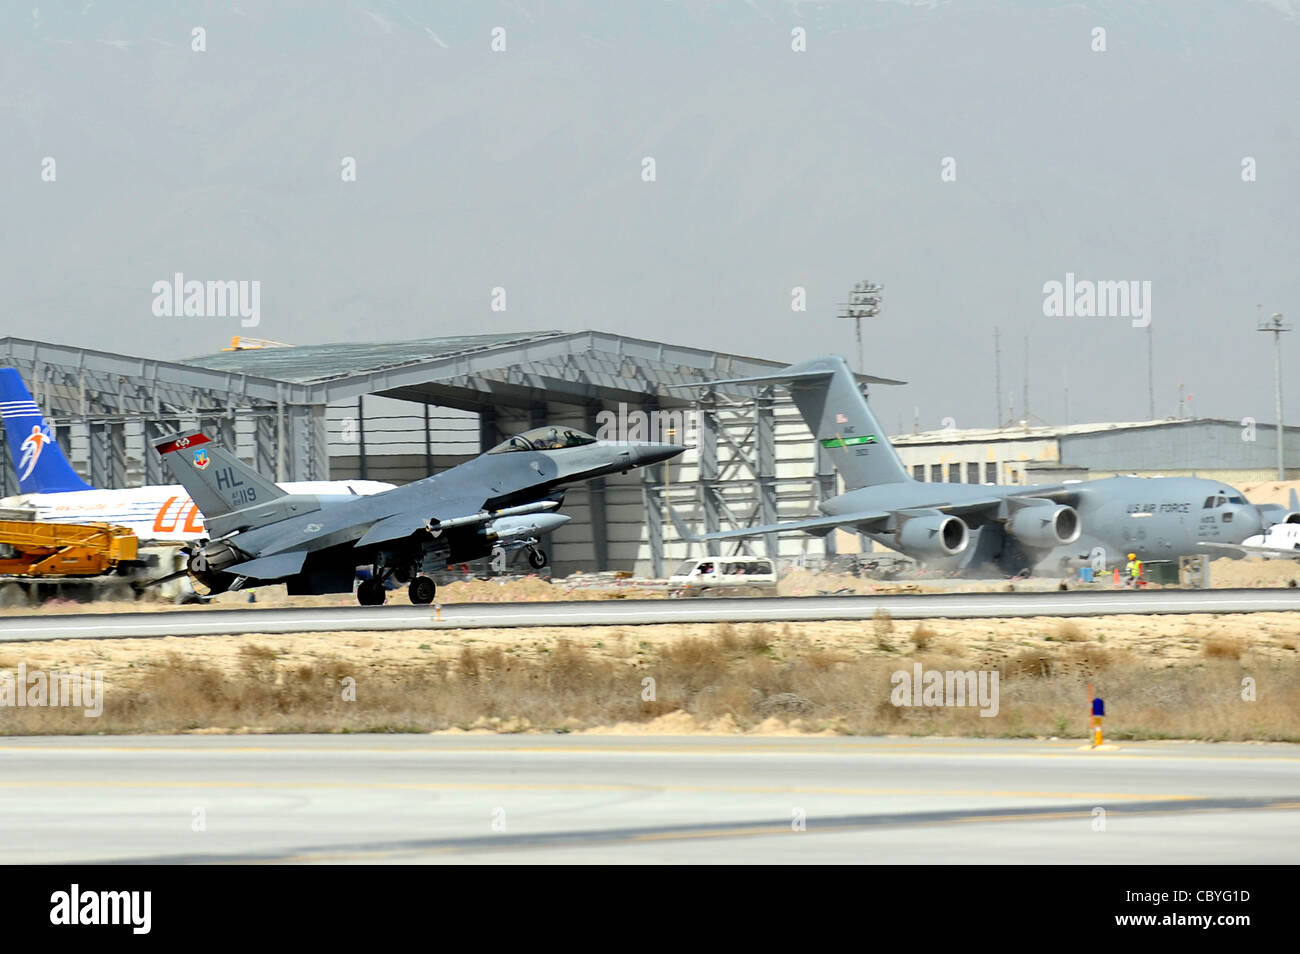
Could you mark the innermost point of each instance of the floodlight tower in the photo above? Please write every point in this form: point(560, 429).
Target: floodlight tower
point(864, 302)
point(1275, 325)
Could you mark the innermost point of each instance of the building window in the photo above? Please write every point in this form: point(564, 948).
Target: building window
point(918, 472)
point(990, 473)
point(954, 473)
point(936, 473)
point(973, 473)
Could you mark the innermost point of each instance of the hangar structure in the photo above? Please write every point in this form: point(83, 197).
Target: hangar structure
point(310, 412)
point(1235, 452)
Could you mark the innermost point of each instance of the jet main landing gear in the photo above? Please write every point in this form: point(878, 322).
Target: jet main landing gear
point(422, 590)
point(371, 593)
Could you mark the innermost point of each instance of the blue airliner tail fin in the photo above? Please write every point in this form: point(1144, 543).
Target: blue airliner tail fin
point(36, 455)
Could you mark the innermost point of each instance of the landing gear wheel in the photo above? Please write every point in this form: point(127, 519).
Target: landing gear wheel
point(422, 590)
point(537, 559)
point(371, 593)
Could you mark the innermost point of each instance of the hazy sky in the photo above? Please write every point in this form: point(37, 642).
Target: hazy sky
point(774, 169)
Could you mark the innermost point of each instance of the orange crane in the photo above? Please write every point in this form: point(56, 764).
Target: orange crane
point(35, 549)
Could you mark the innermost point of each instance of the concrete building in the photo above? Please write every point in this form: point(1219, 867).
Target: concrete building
point(1233, 451)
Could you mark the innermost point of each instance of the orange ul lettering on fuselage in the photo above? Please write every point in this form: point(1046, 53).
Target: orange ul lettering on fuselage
point(193, 520)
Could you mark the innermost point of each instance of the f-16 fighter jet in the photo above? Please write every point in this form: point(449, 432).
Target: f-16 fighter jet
point(508, 497)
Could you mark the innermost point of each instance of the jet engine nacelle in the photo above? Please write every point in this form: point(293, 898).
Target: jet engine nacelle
point(936, 536)
point(1044, 526)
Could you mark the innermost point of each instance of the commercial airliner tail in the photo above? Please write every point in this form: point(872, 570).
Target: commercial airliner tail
point(41, 465)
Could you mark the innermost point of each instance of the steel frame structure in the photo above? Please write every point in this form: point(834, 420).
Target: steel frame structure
point(118, 403)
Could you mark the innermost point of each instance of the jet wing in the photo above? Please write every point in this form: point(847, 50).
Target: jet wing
point(868, 520)
point(1061, 493)
point(1253, 548)
point(966, 506)
point(817, 525)
point(397, 527)
point(271, 567)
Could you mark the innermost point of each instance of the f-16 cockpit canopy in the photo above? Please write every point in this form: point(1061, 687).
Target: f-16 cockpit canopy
point(544, 438)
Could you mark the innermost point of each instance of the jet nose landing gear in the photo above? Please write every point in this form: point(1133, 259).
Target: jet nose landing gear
point(422, 590)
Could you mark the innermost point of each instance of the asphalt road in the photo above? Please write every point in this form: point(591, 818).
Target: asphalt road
point(623, 799)
point(201, 622)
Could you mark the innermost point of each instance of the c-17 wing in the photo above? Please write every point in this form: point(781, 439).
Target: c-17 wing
point(1253, 548)
point(869, 521)
point(818, 526)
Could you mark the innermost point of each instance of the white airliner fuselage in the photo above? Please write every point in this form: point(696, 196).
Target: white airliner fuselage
point(163, 514)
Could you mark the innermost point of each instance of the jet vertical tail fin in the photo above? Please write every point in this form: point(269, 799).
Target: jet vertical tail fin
point(833, 406)
point(37, 456)
point(229, 493)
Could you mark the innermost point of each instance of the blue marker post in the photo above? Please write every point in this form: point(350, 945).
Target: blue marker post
point(1098, 712)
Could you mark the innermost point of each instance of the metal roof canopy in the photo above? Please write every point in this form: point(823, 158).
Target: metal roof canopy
point(465, 372)
point(470, 372)
point(169, 382)
point(282, 393)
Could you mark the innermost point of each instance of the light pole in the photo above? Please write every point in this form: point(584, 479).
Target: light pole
point(1276, 326)
point(864, 302)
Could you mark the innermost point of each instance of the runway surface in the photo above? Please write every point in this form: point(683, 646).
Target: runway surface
point(206, 622)
point(623, 799)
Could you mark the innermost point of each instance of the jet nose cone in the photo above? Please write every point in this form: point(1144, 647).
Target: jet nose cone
point(645, 454)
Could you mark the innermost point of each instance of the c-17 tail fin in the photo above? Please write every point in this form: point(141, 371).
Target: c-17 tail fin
point(228, 492)
point(832, 405)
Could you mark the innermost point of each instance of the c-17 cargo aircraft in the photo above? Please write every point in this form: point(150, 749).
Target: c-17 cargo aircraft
point(1007, 529)
point(506, 497)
